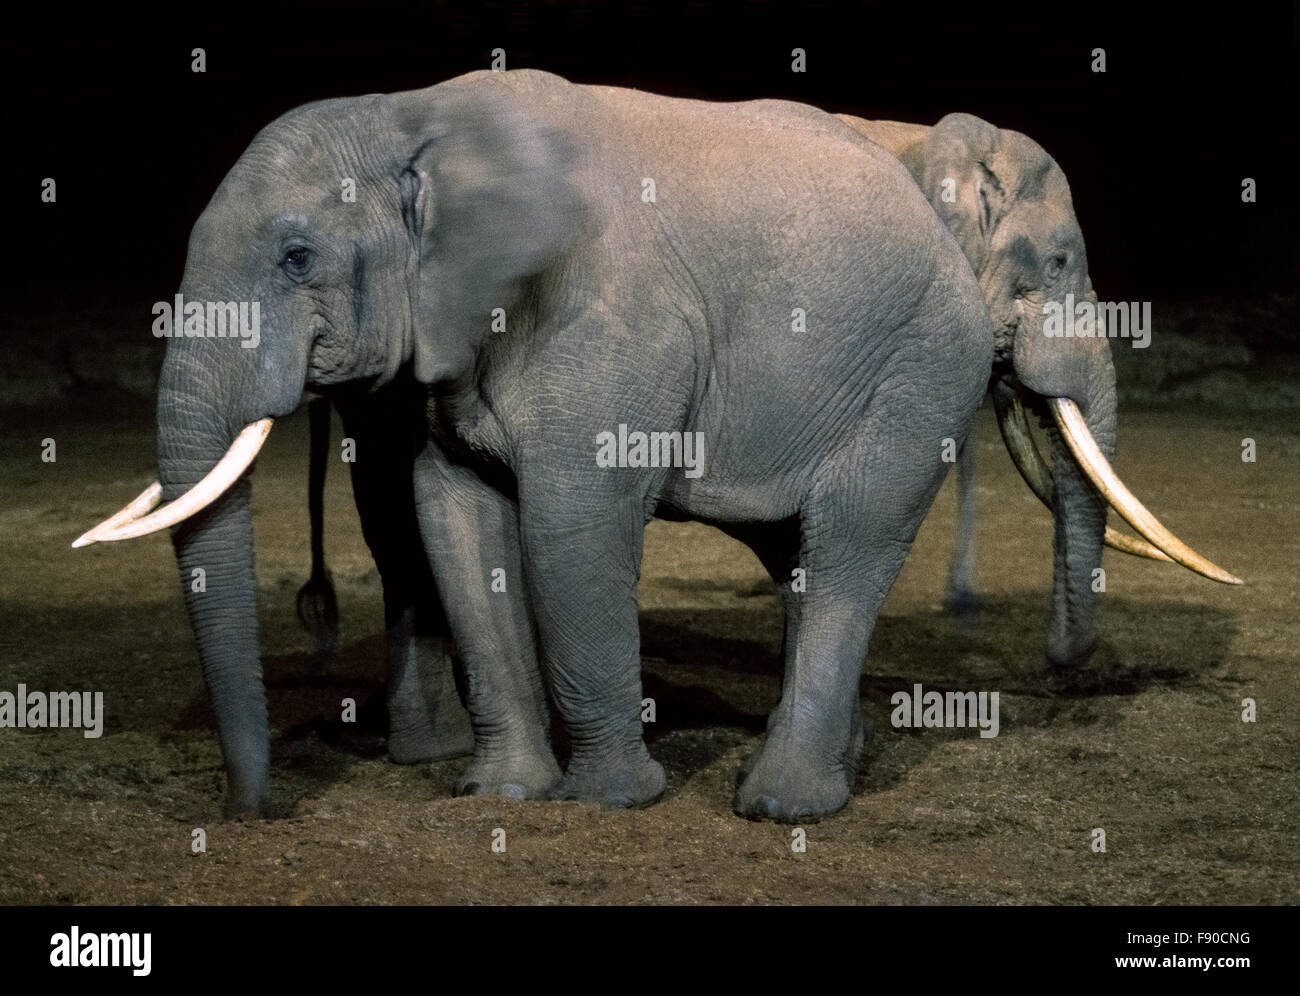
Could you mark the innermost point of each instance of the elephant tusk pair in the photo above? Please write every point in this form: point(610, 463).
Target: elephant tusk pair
point(1163, 544)
point(133, 521)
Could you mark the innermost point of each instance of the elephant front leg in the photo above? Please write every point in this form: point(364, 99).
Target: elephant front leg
point(583, 564)
point(471, 534)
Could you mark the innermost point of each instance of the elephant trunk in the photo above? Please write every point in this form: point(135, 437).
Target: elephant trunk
point(214, 554)
point(1079, 511)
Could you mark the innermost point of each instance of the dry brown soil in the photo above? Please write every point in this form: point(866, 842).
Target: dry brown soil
point(1198, 806)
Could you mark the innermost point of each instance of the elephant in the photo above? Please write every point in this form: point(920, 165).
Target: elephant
point(624, 306)
point(1008, 203)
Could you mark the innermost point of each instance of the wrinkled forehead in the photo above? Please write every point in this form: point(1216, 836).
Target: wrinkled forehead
point(315, 146)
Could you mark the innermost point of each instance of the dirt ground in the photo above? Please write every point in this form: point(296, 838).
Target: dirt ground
point(1197, 805)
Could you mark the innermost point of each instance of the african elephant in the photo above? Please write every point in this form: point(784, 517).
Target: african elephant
point(1009, 205)
point(580, 273)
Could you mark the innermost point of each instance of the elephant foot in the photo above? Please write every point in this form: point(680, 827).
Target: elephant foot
point(788, 783)
point(518, 776)
point(619, 784)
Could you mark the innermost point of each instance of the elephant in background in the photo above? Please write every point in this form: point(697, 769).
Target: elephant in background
point(640, 285)
point(426, 718)
point(1008, 203)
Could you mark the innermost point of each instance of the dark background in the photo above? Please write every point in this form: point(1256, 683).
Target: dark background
point(1155, 148)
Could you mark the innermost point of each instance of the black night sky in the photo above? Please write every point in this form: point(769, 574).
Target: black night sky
point(1155, 149)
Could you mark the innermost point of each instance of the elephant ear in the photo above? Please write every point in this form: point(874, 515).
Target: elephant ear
point(487, 202)
point(961, 182)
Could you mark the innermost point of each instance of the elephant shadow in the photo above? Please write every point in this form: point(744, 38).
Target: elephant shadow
point(720, 669)
point(711, 675)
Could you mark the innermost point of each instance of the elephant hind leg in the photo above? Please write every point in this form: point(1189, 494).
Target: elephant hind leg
point(472, 531)
point(856, 529)
point(807, 763)
point(426, 720)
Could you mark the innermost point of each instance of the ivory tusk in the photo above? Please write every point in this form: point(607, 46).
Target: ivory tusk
point(1094, 463)
point(146, 502)
point(132, 520)
point(1038, 475)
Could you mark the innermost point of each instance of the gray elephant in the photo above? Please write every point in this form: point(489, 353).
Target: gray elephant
point(1009, 205)
point(581, 273)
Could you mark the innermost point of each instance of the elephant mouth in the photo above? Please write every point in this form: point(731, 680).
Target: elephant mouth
point(1004, 343)
point(1158, 542)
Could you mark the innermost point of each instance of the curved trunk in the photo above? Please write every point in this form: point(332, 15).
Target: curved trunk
point(1080, 522)
point(222, 600)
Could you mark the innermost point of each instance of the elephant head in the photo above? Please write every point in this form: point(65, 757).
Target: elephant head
point(372, 233)
point(1008, 204)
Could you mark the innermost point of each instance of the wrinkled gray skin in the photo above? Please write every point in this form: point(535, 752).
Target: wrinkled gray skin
point(524, 192)
point(1022, 211)
point(1015, 221)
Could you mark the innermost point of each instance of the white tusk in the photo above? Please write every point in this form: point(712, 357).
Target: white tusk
point(1094, 463)
point(1033, 468)
point(147, 502)
point(132, 522)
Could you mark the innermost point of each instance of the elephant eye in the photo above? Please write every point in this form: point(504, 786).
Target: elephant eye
point(1055, 265)
point(297, 259)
